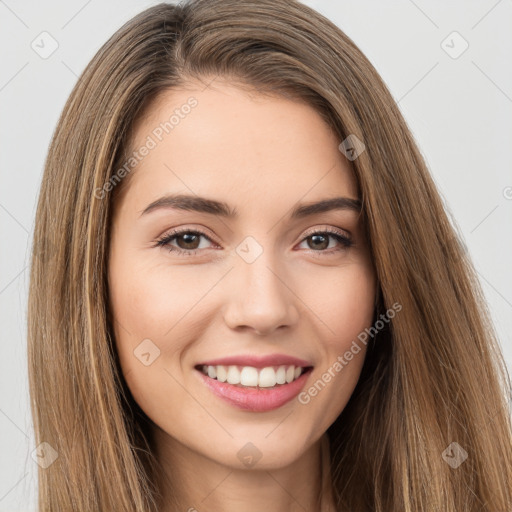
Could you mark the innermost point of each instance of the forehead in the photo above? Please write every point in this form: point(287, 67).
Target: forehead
point(222, 141)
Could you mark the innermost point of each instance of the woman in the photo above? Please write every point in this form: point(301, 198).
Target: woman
point(192, 347)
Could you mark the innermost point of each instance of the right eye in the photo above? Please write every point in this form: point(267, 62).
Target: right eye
point(190, 239)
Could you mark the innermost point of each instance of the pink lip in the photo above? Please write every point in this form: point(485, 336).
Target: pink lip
point(258, 361)
point(256, 399)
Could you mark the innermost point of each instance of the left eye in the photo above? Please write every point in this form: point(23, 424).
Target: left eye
point(321, 239)
point(190, 241)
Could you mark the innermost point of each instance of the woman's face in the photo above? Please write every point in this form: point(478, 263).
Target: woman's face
point(264, 281)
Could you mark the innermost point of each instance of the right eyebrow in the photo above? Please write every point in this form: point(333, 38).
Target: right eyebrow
point(191, 203)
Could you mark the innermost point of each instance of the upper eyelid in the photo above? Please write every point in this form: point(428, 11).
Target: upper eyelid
point(180, 231)
point(325, 228)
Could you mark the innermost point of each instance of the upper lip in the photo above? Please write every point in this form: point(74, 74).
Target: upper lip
point(257, 361)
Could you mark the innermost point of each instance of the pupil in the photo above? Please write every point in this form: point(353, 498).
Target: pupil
point(324, 245)
point(188, 242)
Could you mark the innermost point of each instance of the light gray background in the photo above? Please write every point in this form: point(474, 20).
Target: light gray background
point(459, 110)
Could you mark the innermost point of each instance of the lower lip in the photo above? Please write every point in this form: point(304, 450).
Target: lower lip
point(256, 399)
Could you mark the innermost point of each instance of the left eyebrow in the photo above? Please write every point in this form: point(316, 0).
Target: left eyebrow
point(213, 207)
point(336, 203)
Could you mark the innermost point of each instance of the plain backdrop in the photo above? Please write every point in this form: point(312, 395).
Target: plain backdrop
point(447, 64)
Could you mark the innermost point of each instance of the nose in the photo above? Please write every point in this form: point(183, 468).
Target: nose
point(260, 297)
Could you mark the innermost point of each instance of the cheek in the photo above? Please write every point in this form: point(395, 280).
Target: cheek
point(343, 303)
point(152, 302)
point(155, 312)
point(345, 306)
point(148, 317)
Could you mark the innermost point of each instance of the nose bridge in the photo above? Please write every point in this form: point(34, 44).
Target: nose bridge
point(261, 298)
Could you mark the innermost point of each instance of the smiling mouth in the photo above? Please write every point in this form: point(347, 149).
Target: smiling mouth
point(252, 377)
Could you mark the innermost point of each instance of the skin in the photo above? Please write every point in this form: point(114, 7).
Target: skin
point(262, 155)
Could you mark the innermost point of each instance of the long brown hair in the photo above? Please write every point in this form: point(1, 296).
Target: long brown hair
point(433, 376)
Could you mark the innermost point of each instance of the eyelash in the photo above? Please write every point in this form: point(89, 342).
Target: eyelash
point(167, 238)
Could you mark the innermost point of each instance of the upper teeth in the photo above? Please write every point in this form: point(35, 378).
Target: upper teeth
point(250, 376)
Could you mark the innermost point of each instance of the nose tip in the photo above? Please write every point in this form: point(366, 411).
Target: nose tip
point(260, 300)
